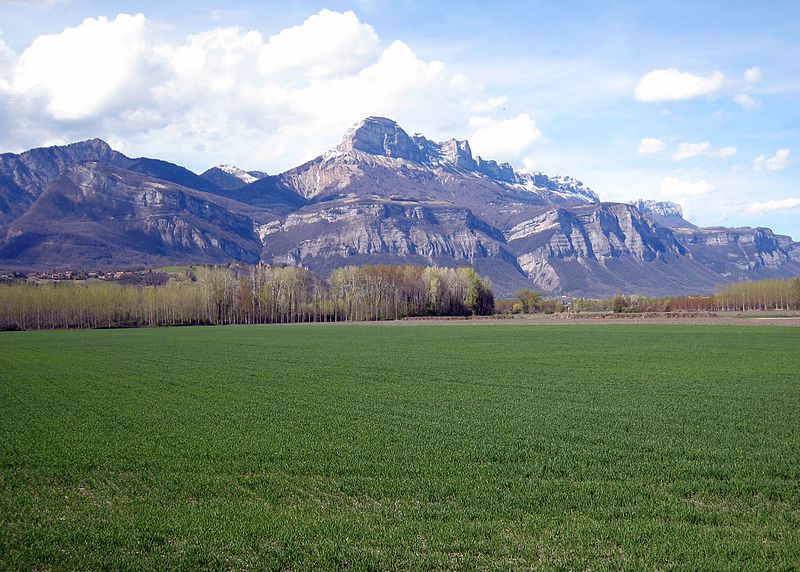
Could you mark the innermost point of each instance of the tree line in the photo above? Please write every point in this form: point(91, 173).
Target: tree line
point(771, 294)
point(760, 295)
point(249, 295)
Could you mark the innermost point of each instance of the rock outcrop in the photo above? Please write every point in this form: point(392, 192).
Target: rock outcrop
point(740, 253)
point(665, 213)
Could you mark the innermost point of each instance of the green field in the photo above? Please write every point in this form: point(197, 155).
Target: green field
point(401, 447)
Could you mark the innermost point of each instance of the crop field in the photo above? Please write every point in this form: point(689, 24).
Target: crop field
point(401, 447)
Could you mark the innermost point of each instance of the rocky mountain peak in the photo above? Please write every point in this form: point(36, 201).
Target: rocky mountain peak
point(380, 136)
point(665, 213)
point(88, 150)
point(95, 145)
point(662, 208)
point(380, 141)
point(498, 171)
point(230, 177)
point(235, 171)
point(458, 153)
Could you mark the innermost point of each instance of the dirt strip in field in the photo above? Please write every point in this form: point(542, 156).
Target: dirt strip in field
point(722, 319)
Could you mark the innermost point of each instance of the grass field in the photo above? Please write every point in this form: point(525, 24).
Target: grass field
point(369, 447)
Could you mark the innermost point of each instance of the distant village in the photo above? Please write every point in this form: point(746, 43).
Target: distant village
point(147, 277)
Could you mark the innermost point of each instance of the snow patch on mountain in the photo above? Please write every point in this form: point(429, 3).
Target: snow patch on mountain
point(561, 185)
point(240, 174)
point(661, 208)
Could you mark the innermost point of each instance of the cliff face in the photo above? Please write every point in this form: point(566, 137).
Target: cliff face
point(590, 250)
point(23, 177)
point(740, 253)
point(379, 196)
point(599, 248)
point(382, 228)
point(102, 215)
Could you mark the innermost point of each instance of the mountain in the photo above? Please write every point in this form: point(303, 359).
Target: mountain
point(172, 173)
point(95, 214)
point(377, 157)
point(229, 177)
point(379, 196)
point(268, 193)
point(24, 176)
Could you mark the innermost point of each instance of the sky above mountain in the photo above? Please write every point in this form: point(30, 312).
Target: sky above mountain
point(694, 102)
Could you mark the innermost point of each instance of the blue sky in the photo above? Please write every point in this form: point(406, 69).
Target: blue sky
point(695, 102)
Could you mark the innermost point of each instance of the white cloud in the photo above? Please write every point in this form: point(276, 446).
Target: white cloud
point(8, 61)
point(489, 105)
point(506, 140)
point(649, 145)
point(480, 121)
point(398, 85)
point(674, 85)
point(325, 44)
point(746, 102)
point(689, 194)
point(678, 189)
point(209, 63)
point(774, 206)
point(752, 75)
point(228, 94)
point(690, 150)
point(778, 162)
point(84, 70)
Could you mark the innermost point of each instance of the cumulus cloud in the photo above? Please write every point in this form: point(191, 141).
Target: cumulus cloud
point(774, 206)
point(679, 189)
point(507, 139)
point(84, 70)
point(649, 145)
point(778, 162)
point(674, 85)
point(227, 94)
point(325, 44)
point(745, 101)
point(397, 85)
point(752, 75)
point(690, 150)
point(8, 60)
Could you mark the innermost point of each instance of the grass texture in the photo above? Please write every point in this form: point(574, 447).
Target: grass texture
point(412, 447)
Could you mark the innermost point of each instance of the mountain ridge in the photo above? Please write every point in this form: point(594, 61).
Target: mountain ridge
point(380, 195)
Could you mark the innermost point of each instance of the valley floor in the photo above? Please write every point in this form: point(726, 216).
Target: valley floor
point(427, 446)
